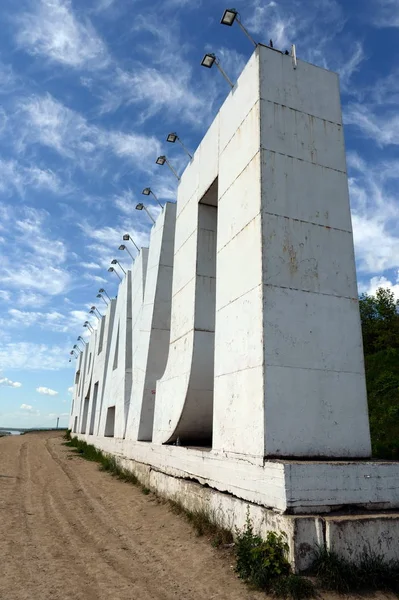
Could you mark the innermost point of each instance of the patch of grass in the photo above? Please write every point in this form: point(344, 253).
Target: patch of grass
point(264, 564)
point(371, 572)
point(67, 435)
point(145, 490)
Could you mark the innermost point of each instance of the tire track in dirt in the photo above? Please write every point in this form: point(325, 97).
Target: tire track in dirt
point(78, 534)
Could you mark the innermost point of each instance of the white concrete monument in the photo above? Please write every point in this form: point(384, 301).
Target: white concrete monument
point(234, 357)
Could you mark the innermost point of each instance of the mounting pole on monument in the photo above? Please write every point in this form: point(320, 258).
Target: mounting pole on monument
point(102, 298)
point(211, 59)
point(230, 16)
point(112, 270)
point(94, 308)
point(123, 247)
point(114, 261)
point(141, 206)
point(128, 237)
point(102, 291)
point(161, 160)
point(173, 138)
point(147, 191)
point(89, 326)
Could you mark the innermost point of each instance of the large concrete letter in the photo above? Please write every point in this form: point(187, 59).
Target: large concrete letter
point(151, 335)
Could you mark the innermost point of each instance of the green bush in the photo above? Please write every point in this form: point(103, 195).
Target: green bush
point(264, 563)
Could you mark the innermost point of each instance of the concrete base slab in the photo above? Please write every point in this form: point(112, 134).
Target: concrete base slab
point(290, 487)
point(348, 534)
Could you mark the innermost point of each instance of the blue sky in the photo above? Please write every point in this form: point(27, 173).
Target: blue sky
point(88, 92)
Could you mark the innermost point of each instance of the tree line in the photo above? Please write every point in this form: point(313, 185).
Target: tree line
point(380, 327)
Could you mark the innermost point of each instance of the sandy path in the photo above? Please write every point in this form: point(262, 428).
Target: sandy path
point(69, 531)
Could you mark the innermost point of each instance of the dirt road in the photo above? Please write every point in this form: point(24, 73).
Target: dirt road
point(70, 532)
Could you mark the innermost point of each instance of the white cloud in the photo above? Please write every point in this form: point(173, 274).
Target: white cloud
point(90, 265)
point(32, 357)
point(46, 391)
point(19, 178)
point(381, 281)
point(28, 408)
point(51, 29)
point(70, 390)
point(375, 213)
point(45, 120)
point(7, 382)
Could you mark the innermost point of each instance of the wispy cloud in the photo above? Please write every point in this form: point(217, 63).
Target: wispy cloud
point(385, 13)
point(20, 178)
point(46, 391)
point(28, 408)
point(7, 382)
point(51, 29)
point(46, 121)
point(30, 356)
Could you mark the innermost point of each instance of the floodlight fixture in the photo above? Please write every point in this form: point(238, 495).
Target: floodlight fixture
point(127, 237)
point(123, 247)
point(77, 348)
point(147, 191)
point(209, 60)
point(112, 270)
point(81, 340)
point(114, 261)
point(93, 308)
point(102, 298)
point(161, 160)
point(141, 206)
point(230, 16)
point(89, 326)
point(173, 137)
point(92, 312)
point(102, 291)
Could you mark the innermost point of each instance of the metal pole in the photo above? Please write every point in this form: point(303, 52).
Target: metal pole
point(161, 205)
point(246, 32)
point(104, 292)
point(184, 148)
point(103, 299)
point(148, 213)
point(172, 169)
point(58, 419)
point(223, 73)
point(131, 255)
point(120, 266)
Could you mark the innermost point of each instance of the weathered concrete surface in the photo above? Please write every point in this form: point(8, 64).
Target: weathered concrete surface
point(151, 333)
point(287, 486)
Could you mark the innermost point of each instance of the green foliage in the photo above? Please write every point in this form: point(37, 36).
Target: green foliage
point(264, 563)
point(380, 327)
point(67, 435)
point(342, 576)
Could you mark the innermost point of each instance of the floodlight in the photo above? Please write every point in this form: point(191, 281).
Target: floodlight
point(173, 137)
point(116, 262)
point(140, 206)
point(102, 298)
point(127, 237)
point(102, 291)
point(209, 60)
point(123, 247)
point(112, 270)
point(161, 160)
point(147, 191)
point(229, 16)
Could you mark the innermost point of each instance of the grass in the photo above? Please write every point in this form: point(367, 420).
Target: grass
point(371, 572)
